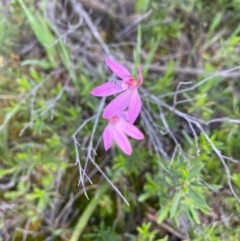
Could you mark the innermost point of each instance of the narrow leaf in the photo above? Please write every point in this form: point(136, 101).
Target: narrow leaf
point(175, 203)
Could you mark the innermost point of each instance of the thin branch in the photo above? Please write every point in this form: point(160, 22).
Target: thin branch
point(165, 226)
point(109, 181)
point(91, 26)
point(195, 137)
point(134, 23)
point(154, 138)
point(224, 73)
point(78, 160)
point(175, 96)
point(52, 103)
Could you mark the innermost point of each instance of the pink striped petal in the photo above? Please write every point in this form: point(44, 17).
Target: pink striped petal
point(131, 130)
point(117, 105)
point(118, 69)
point(140, 77)
point(135, 106)
point(108, 88)
point(107, 137)
point(122, 141)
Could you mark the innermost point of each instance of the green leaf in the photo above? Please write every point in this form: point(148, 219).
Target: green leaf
point(150, 56)
point(6, 172)
point(194, 214)
point(163, 214)
point(168, 76)
point(215, 187)
point(187, 137)
point(143, 197)
point(138, 49)
point(41, 63)
point(164, 239)
point(195, 170)
point(197, 198)
point(169, 180)
point(175, 203)
point(42, 32)
point(83, 220)
point(215, 22)
point(141, 6)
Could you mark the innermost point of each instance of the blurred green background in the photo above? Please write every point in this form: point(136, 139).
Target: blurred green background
point(181, 182)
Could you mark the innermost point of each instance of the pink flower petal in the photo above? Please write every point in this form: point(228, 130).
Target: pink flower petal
point(124, 115)
point(140, 77)
point(107, 137)
point(117, 105)
point(121, 140)
point(131, 130)
point(118, 69)
point(108, 88)
point(135, 106)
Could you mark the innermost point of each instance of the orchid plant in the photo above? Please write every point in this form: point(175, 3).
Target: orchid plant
point(120, 123)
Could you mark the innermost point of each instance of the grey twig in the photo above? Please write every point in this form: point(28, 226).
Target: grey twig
point(134, 23)
point(224, 73)
point(78, 160)
point(175, 96)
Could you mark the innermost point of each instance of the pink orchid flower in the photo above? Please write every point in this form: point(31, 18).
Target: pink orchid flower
point(117, 130)
point(128, 85)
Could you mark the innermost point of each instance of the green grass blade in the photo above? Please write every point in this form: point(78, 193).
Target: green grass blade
point(42, 32)
point(82, 222)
